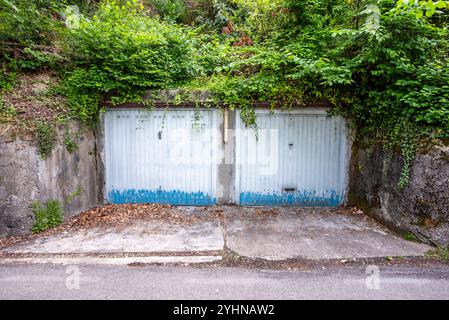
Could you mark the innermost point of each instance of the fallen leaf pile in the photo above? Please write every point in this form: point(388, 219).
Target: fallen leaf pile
point(348, 211)
point(10, 241)
point(114, 215)
point(215, 212)
point(267, 212)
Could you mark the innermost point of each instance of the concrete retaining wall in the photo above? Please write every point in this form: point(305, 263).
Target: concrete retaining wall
point(25, 177)
point(422, 208)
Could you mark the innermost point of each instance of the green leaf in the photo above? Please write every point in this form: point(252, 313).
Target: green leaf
point(419, 13)
point(442, 4)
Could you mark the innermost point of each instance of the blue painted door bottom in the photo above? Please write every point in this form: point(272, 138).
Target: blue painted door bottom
point(306, 199)
point(173, 197)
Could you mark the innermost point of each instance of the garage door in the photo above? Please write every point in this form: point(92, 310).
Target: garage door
point(298, 158)
point(160, 156)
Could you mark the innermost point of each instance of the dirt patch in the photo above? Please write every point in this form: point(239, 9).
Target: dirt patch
point(308, 264)
point(29, 102)
point(232, 259)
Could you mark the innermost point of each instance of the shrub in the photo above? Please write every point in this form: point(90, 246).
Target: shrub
point(122, 51)
point(28, 22)
point(47, 215)
point(28, 30)
point(170, 10)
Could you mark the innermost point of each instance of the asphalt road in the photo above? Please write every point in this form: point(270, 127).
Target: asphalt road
point(47, 281)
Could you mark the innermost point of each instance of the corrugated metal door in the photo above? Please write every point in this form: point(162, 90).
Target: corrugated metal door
point(160, 156)
point(297, 158)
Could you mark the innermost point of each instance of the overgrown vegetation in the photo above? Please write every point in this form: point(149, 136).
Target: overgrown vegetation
point(74, 194)
point(441, 253)
point(47, 215)
point(383, 64)
point(46, 138)
point(70, 139)
point(410, 236)
point(119, 53)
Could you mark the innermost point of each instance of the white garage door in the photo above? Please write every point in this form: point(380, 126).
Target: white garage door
point(161, 156)
point(298, 158)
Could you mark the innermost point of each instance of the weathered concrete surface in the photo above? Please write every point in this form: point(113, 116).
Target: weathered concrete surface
point(19, 186)
point(312, 234)
point(25, 177)
point(145, 236)
point(254, 232)
point(119, 261)
point(422, 208)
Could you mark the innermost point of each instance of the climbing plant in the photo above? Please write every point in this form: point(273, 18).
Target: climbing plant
point(46, 136)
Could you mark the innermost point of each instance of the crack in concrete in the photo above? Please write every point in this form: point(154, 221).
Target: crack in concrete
point(222, 223)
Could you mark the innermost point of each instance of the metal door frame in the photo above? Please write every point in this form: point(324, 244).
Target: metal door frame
point(215, 140)
point(322, 111)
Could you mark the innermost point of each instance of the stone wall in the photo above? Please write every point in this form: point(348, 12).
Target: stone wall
point(25, 177)
point(421, 208)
